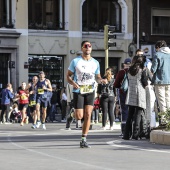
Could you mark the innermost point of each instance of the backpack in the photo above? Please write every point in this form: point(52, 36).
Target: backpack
point(105, 89)
point(125, 83)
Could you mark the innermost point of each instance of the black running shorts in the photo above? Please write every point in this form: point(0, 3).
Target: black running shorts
point(80, 100)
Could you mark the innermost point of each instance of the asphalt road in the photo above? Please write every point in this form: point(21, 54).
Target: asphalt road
point(57, 148)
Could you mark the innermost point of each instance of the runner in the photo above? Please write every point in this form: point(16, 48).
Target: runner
point(23, 95)
point(43, 86)
point(32, 100)
point(85, 70)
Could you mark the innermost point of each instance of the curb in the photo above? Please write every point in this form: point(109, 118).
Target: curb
point(160, 137)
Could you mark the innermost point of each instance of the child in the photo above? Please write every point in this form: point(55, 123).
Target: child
point(15, 113)
point(95, 113)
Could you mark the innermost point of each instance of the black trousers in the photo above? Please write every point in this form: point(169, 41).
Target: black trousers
point(5, 108)
point(107, 105)
point(136, 116)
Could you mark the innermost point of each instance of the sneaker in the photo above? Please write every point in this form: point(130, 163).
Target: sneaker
point(92, 122)
point(38, 124)
point(43, 126)
point(63, 121)
point(111, 128)
point(68, 122)
point(117, 120)
point(22, 124)
point(33, 126)
point(7, 123)
point(96, 121)
point(84, 144)
point(103, 128)
point(68, 128)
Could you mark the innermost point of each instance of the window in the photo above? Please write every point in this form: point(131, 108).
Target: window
point(97, 13)
point(46, 14)
point(6, 14)
point(161, 21)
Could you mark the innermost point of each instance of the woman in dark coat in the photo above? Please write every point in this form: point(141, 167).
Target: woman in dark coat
point(136, 96)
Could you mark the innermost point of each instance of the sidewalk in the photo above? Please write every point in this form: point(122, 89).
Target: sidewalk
point(116, 126)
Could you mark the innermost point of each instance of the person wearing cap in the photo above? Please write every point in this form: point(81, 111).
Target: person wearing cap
point(86, 71)
point(122, 95)
point(43, 86)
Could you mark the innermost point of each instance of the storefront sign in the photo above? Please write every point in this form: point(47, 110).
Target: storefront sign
point(147, 49)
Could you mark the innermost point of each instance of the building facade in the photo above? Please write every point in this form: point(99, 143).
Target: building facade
point(46, 35)
point(154, 24)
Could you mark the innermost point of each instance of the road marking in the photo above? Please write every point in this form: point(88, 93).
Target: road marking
point(55, 157)
point(115, 143)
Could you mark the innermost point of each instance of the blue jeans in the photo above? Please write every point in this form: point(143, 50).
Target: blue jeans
point(124, 109)
point(53, 111)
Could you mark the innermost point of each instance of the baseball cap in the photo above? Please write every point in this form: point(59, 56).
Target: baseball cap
point(41, 72)
point(127, 61)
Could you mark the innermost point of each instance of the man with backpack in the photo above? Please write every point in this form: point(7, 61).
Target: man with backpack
point(122, 93)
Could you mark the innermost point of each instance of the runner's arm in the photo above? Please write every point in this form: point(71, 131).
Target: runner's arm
point(70, 80)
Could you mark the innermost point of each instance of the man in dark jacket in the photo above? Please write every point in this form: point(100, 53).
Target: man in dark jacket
point(54, 100)
point(122, 95)
point(7, 95)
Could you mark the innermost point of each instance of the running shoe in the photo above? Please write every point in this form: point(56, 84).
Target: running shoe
point(38, 124)
point(84, 144)
point(33, 126)
point(22, 124)
point(43, 126)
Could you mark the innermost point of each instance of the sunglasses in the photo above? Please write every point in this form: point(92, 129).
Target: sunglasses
point(87, 46)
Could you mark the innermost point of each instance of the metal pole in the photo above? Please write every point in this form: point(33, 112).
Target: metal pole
point(106, 58)
point(137, 24)
point(106, 45)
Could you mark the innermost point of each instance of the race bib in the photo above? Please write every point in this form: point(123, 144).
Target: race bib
point(23, 97)
point(32, 103)
point(40, 91)
point(86, 89)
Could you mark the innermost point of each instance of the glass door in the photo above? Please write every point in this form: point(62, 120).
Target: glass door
point(51, 65)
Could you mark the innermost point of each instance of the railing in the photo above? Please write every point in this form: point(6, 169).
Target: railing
point(99, 27)
point(48, 25)
point(7, 23)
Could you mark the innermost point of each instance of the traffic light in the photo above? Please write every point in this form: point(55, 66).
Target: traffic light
point(109, 35)
point(11, 64)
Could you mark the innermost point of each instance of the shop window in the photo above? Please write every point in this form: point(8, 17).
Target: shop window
point(97, 13)
point(161, 21)
point(6, 19)
point(51, 65)
point(46, 14)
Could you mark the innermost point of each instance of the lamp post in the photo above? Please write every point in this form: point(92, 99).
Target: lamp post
point(137, 24)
